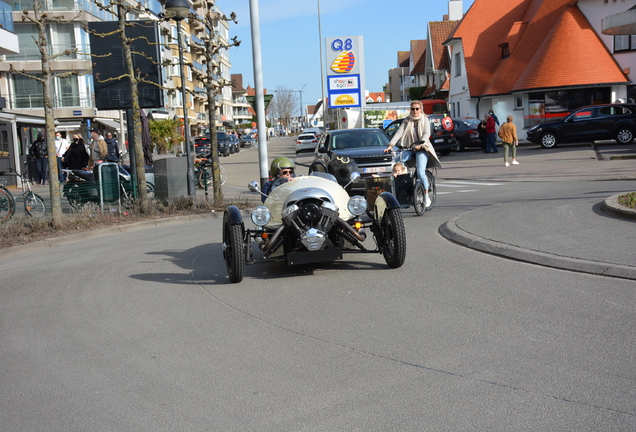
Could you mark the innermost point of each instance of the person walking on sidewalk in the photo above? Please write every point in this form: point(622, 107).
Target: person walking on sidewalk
point(508, 135)
point(39, 152)
point(61, 147)
point(491, 145)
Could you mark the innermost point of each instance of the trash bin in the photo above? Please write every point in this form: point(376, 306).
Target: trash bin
point(171, 177)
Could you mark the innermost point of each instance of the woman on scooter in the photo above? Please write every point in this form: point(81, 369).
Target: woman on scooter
point(414, 133)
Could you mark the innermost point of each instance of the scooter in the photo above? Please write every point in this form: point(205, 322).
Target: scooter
point(84, 186)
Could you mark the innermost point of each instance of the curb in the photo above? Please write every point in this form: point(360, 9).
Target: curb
point(17, 251)
point(611, 206)
point(452, 232)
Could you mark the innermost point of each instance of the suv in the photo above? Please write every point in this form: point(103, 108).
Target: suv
point(442, 132)
point(589, 123)
point(341, 152)
point(224, 143)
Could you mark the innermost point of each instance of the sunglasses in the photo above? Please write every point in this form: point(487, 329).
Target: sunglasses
point(285, 172)
point(415, 109)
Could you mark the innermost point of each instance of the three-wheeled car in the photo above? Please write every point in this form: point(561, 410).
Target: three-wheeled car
point(313, 219)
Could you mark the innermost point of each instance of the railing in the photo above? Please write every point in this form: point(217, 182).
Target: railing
point(31, 52)
point(6, 17)
point(202, 116)
point(200, 66)
point(62, 5)
point(62, 100)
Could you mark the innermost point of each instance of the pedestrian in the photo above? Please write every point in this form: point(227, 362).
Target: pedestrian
point(61, 146)
point(99, 149)
point(491, 145)
point(508, 135)
point(491, 113)
point(76, 157)
point(39, 152)
point(113, 148)
point(483, 136)
point(413, 135)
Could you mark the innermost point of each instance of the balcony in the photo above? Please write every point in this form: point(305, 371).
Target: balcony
point(61, 6)
point(31, 52)
point(63, 100)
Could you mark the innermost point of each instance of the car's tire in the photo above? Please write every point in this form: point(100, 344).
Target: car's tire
point(549, 140)
point(624, 135)
point(459, 147)
point(226, 152)
point(418, 199)
point(234, 251)
point(393, 238)
point(432, 189)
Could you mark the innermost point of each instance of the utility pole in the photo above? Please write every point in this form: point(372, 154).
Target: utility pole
point(302, 109)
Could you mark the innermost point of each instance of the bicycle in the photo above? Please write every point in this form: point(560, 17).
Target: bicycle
point(33, 204)
point(411, 191)
point(203, 172)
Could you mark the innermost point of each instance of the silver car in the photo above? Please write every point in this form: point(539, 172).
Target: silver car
point(306, 142)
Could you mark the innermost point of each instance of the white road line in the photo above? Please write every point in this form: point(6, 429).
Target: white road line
point(451, 182)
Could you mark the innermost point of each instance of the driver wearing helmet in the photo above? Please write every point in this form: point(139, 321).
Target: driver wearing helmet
point(282, 171)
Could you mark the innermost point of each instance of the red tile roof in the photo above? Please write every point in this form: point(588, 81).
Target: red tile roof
point(438, 32)
point(375, 95)
point(550, 44)
point(403, 58)
point(418, 54)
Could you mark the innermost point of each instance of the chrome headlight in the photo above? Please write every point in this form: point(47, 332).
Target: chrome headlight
point(261, 216)
point(357, 205)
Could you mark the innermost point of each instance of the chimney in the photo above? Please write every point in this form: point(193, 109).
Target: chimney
point(455, 10)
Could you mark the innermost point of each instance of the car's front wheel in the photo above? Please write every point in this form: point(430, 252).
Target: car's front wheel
point(624, 136)
point(393, 238)
point(549, 140)
point(234, 251)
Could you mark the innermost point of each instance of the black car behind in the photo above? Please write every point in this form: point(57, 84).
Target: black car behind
point(467, 133)
point(442, 132)
point(589, 123)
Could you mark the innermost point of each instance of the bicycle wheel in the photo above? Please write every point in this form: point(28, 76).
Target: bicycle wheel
point(432, 189)
point(34, 205)
point(7, 205)
point(223, 174)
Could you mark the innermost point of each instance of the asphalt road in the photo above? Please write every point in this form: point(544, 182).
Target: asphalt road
point(143, 331)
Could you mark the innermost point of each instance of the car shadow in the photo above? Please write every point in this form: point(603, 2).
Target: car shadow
point(205, 266)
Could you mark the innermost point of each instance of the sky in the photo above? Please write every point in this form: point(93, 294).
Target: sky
point(290, 38)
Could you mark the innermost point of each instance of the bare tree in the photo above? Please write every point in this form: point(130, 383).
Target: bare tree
point(41, 20)
point(212, 80)
point(283, 104)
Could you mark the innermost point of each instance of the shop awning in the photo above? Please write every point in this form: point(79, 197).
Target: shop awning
point(109, 123)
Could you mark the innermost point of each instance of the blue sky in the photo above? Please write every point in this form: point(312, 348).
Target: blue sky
point(290, 42)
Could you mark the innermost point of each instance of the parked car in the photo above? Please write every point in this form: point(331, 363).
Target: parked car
point(589, 123)
point(235, 145)
point(341, 152)
point(467, 133)
point(202, 143)
point(306, 142)
point(442, 132)
point(224, 143)
point(248, 140)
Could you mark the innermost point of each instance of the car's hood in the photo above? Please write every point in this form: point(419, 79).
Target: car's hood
point(276, 198)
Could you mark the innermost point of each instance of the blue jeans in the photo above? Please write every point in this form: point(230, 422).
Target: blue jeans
point(61, 175)
point(490, 143)
point(421, 160)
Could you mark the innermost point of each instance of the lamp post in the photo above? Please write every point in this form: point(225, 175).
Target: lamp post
point(179, 10)
point(322, 73)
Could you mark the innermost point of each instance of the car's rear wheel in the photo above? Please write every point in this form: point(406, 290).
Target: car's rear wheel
point(624, 136)
point(549, 140)
point(393, 238)
point(459, 147)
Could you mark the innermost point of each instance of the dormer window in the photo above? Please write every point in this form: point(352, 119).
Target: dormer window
point(505, 50)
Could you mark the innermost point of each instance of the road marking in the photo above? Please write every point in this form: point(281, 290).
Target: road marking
point(456, 182)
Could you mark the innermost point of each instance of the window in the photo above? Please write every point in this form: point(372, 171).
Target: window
point(519, 102)
point(458, 64)
point(27, 92)
point(505, 50)
point(624, 43)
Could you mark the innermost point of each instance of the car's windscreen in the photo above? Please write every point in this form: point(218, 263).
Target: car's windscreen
point(358, 139)
point(220, 136)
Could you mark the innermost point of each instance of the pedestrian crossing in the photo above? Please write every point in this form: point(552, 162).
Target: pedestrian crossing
point(460, 186)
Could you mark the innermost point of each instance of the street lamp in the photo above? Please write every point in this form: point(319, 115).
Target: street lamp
point(179, 10)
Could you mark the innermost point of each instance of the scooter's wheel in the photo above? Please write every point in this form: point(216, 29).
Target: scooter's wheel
point(418, 199)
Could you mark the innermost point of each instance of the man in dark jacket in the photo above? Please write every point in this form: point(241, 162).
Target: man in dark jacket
point(113, 147)
point(39, 152)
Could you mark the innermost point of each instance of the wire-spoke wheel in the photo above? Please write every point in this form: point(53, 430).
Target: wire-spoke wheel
point(34, 205)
